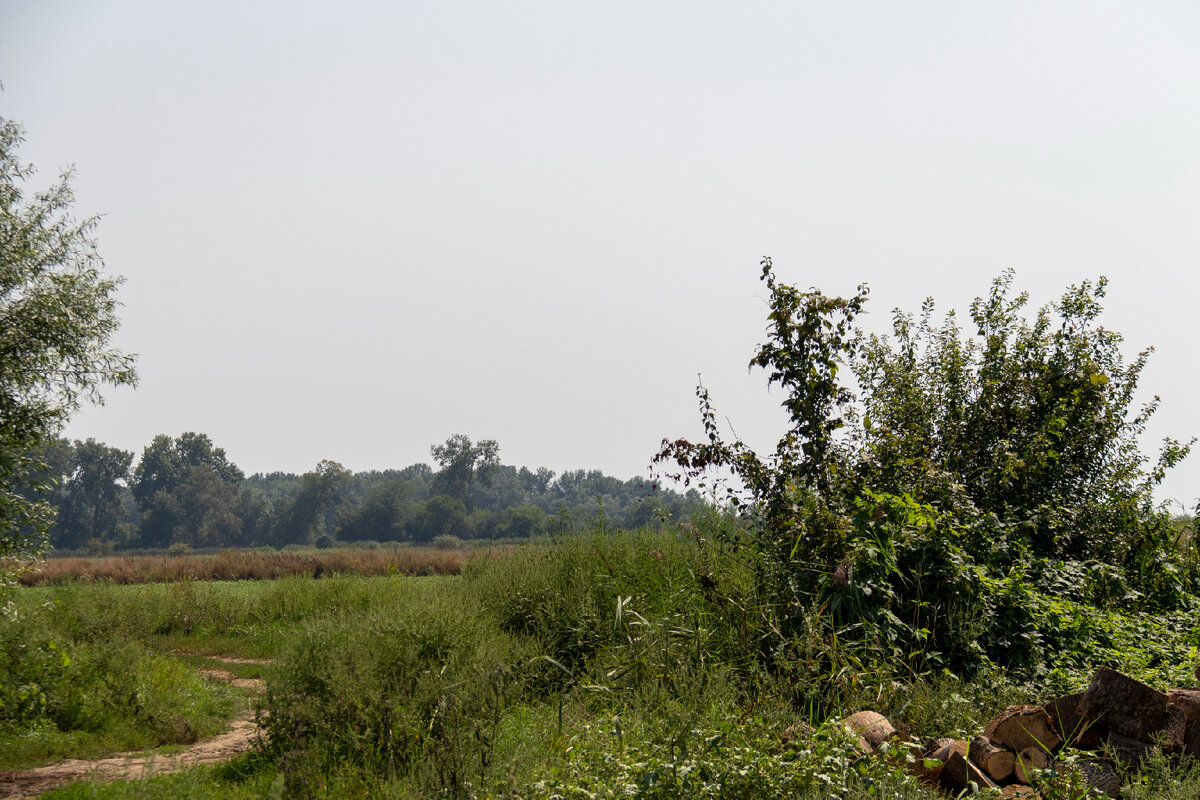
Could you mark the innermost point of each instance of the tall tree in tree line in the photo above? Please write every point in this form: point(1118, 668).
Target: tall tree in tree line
point(186, 489)
point(464, 464)
point(90, 507)
point(304, 520)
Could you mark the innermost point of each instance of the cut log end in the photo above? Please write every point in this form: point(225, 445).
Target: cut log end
point(1022, 727)
point(1030, 761)
point(1019, 792)
point(998, 762)
point(937, 752)
point(870, 726)
point(959, 773)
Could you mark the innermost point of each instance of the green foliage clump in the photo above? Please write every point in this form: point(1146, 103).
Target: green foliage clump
point(1029, 421)
point(562, 597)
point(905, 525)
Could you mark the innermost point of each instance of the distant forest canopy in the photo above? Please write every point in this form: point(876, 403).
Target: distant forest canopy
point(185, 491)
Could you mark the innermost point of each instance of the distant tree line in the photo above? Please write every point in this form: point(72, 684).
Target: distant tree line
point(186, 491)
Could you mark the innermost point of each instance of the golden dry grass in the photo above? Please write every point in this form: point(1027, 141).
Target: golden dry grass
point(231, 565)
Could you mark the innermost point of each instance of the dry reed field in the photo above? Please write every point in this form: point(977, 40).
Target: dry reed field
point(232, 565)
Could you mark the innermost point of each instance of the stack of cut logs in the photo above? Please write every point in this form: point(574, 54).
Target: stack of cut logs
point(1117, 721)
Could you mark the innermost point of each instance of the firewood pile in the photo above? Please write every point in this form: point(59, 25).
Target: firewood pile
point(1113, 724)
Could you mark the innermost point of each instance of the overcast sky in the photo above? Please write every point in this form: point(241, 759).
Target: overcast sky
point(349, 231)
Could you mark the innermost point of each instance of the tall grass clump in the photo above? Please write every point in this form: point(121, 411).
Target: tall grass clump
point(622, 595)
point(90, 669)
point(189, 611)
point(411, 692)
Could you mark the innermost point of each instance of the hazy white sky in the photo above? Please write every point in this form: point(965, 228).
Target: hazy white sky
point(349, 232)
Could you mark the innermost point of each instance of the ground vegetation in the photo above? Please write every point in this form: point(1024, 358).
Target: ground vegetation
point(605, 664)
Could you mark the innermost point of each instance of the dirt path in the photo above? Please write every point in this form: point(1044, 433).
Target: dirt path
point(241, 736)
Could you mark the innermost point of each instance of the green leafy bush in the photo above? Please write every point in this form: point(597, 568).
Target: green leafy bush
point(916, 522)
point(1030, 421)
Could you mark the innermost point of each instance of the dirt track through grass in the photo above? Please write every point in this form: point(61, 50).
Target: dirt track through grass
point(241, 736)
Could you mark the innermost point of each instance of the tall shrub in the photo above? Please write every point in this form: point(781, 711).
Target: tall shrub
point(888, 516)
point(1031, 421)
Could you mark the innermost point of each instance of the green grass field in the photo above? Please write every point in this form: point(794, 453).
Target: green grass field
point(614, 665)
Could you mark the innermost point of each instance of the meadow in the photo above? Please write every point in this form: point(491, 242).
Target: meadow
point(605, 664)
